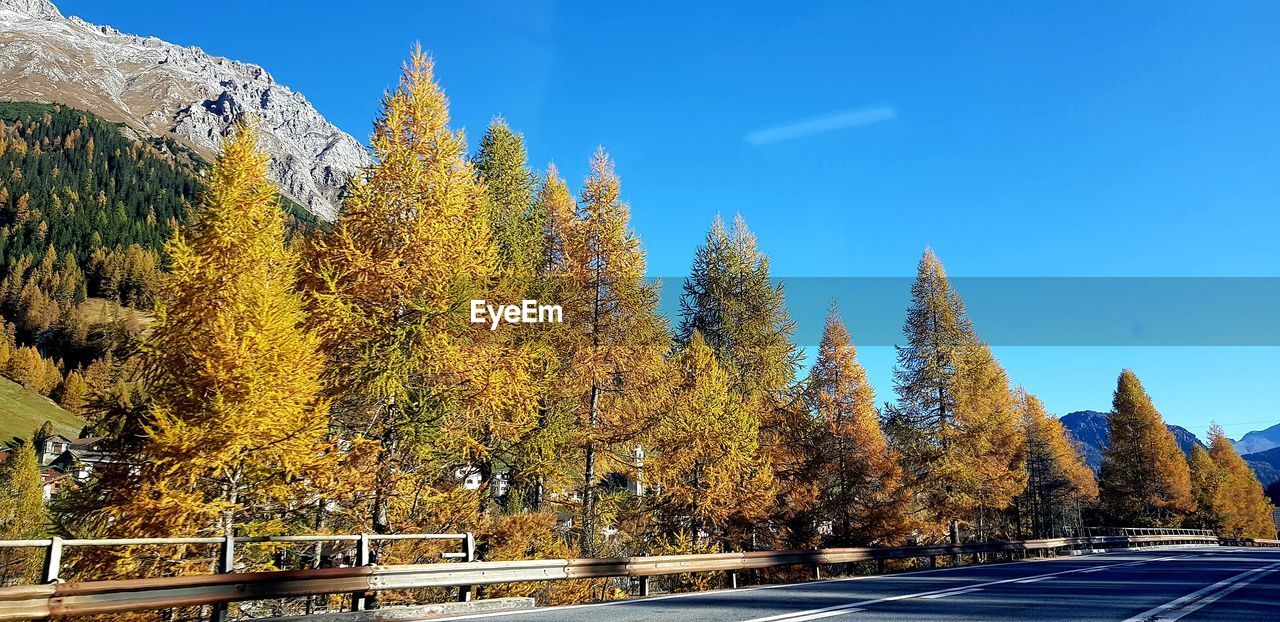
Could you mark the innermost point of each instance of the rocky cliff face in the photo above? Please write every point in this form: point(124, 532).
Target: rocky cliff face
point(164, 89)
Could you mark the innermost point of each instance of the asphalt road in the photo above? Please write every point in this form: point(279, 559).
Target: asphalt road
point(1166, 584)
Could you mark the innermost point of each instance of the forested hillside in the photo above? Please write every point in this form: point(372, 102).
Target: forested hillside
point(86, 208)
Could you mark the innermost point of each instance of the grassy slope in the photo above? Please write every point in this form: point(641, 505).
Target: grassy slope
point(23, 410)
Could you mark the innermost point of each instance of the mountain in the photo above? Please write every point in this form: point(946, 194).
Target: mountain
point(1090, 429)
point(1266, 464)
point(1259, 441)
point(164, 90)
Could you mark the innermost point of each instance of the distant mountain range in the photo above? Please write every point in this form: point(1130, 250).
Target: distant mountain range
point(1259, 441)
point(1090, 429)
point(160, 89)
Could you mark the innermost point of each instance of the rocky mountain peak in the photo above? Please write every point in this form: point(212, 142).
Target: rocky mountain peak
point(162, 89)
point(38, 9)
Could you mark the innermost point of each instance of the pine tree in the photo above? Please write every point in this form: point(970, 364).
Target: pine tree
point(234, 433)
point(861, 483)
point(954, 424)
point(614, 341)
point(1145, 480)
point(705, 459)
point(22, 511)
point(1239, 499)
point(1059, 483)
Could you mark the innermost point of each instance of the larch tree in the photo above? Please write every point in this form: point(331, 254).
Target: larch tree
point(1145, 480)
point(986, 461)
point(22, 511)
point(1206, 481)
point(861, 494)
point(74, 393)
point(613, 341)
point(516, 223)
point(954, 424)
point(233, 437)
point(1239, 499)
point(1059, 484)
point(704, 460)
point(731, 299)
point(389, 292)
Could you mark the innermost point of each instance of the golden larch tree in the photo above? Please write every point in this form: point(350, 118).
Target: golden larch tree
point(1239, 499)
point(1145, 480)
point(1059, 484)
point(704, 458)
point(233, 436)
point(862, 494)
point(613, 341)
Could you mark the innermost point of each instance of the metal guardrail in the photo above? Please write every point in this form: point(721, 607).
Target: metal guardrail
point(227, 547)
point(107, 597)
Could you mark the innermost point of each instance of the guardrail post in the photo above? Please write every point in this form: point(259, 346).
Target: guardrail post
point(359, 599)
point(817, 572)
point(53, 560)
point(933, 562)
point(226, 564)
point(644, 586)
point(880, 566)
point(733, 579)
point(468, 555)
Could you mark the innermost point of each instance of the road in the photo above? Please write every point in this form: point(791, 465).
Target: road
point(1157, 585)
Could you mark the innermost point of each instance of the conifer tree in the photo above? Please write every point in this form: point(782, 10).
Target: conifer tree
point(74, 393)
point(233, 437)
point(615, 340)
point(515, 223)
point(1239, 499)
point(954, 424)
point(705, 458)
point(1206, 481)
point(389, 294)
point(861, 493)
point(1145, 480)
point(22, 511)
point(1059, 483)
point(730, 298)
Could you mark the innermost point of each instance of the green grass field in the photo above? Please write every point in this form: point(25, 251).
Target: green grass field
point(22, 411)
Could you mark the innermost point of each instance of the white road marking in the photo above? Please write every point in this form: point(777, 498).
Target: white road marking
point(953, 593)
point(824, 612)
point(1034, 580)
point(945, 592)
point(1204, 595)
point(536, 610)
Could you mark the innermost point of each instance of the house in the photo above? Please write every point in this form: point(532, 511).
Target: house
point(75, 458)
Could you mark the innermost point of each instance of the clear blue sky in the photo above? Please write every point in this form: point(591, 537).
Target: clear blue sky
point(1015, 138)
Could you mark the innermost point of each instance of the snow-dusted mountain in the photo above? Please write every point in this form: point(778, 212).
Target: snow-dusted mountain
point(159, 89)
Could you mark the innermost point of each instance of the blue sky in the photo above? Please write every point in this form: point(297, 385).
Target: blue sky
point(1015, 138)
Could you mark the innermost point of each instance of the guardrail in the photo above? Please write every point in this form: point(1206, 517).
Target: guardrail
point(107, 597)
point(227, 548)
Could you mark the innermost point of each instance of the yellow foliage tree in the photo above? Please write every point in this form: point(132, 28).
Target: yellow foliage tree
point(1145, 480)
point(612, 342)
point(1059, 483)
point(389, 292)
point(705, 460)
point(1239, 500)
point(234, 436)
point(862, 494)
